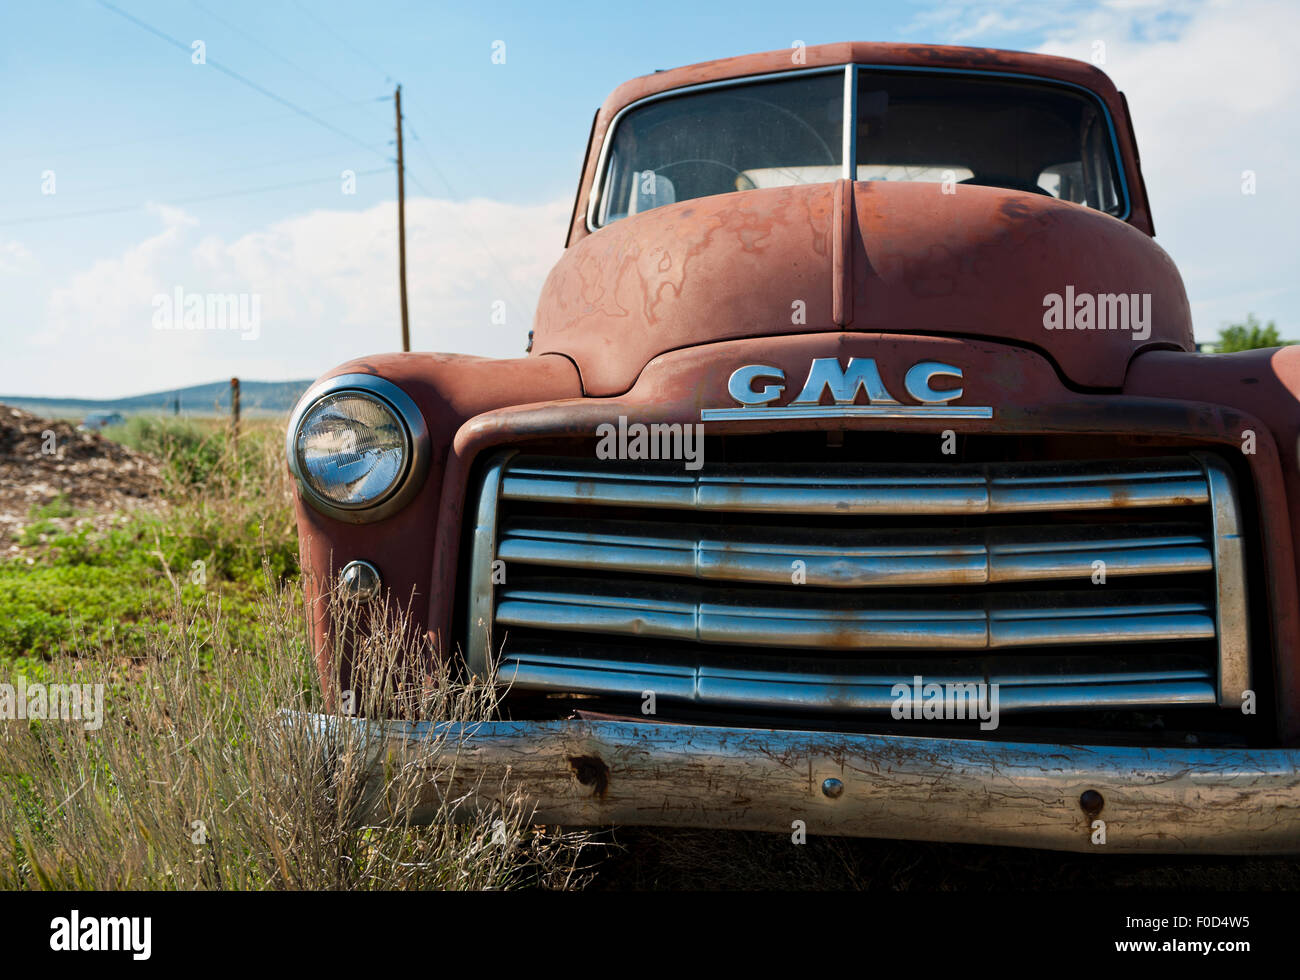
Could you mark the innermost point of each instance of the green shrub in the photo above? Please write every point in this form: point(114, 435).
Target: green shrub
point(60, 506)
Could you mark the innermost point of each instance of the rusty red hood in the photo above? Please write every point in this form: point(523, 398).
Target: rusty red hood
point(860, 257)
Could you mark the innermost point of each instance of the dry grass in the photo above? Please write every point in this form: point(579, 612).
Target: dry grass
point(211, 771)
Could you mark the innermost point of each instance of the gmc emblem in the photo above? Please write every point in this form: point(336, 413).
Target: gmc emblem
point(756, 386)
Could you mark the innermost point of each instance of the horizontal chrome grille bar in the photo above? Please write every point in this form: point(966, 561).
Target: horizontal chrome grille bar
point(878, 489)
point(837, 691)
point(853, 559)
point(799, 620)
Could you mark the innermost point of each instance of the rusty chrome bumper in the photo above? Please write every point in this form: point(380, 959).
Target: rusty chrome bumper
point(596, 773)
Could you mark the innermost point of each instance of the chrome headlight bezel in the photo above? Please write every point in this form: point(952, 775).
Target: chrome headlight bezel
point(417, 447)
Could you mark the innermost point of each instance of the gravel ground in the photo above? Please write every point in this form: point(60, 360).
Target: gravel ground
point(42, 460)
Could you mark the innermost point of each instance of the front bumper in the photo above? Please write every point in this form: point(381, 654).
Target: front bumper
point(597, 773)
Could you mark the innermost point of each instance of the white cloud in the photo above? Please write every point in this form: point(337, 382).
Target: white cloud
point(14, 258)
point(992, 21)
point(104, 301)
point(327, 288)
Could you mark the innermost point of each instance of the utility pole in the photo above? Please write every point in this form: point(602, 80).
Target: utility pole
point(401, 225)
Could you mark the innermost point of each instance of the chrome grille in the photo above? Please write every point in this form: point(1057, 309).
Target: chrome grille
point(623, 578)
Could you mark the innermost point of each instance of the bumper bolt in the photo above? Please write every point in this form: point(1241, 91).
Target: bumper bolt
point(1091, 802)
point(832, 788)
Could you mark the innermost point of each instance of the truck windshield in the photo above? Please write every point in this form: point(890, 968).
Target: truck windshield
point(733, 138)
point(912, 126)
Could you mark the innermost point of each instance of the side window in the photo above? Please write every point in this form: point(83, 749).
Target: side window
point(614, 197)
point(1065, 181)
point(1099, 177)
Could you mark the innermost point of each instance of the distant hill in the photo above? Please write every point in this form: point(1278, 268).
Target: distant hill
point(255, 398)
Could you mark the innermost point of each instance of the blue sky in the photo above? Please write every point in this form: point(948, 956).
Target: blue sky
point(171, 155)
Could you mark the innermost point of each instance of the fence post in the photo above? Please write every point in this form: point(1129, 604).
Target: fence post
point(234, 409)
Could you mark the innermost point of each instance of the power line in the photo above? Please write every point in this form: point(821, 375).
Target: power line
point(270, 50)
point(343, 40)
point(171, 135)
point(151, 182)
point(428, 155)
point(276, 187)
point(40, 219)
point(243, 80)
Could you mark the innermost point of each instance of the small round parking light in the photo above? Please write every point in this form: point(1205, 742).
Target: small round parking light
point(360, 580)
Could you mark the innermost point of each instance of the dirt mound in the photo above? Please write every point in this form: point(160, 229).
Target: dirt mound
point(45, 463)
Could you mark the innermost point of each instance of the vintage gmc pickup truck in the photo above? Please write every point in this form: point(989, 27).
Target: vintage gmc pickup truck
point(862, 476)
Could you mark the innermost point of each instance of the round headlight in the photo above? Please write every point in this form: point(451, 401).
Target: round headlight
point(356, 443)
point(352, 449)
